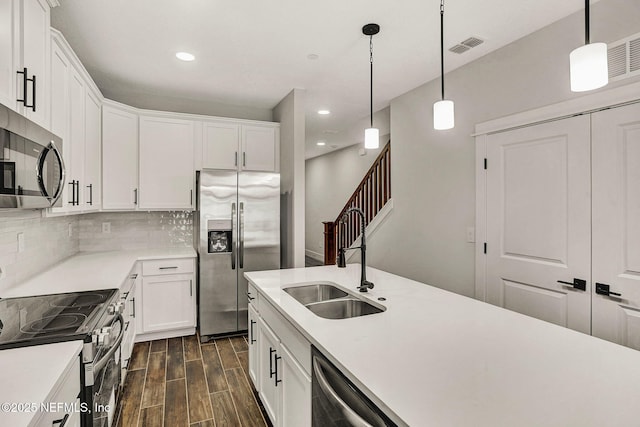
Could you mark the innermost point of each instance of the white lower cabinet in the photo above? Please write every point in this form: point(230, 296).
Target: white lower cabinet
point(65, 398)
point(167, 299)
point(279, 366)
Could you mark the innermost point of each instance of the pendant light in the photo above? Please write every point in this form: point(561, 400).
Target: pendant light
point(443, 110)
point(371, 135)
point(588, 64)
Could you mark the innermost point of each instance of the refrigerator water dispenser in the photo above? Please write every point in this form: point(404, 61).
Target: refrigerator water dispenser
point(219, 235)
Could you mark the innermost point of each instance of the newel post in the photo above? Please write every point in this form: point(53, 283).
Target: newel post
point(329, 243)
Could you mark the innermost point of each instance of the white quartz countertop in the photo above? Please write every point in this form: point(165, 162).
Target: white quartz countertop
point(86, 271)
point(435, 358)
point(31, 375)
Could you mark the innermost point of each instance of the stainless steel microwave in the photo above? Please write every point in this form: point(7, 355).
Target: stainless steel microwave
point(31, 166)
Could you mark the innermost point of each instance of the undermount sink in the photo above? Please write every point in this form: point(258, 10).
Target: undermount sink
point(315, 292)
point(326, 300)
point(343, 308)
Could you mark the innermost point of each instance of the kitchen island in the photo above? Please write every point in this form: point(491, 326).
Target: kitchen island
point(440, 359)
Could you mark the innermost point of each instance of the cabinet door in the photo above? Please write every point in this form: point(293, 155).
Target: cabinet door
point(35, 57)
point(166, 163)
point(75, 169)
point(295, 392)
point(60, 73)
point(9, 47)
point(119, 159)
point(616, 225)
point(220, 146)
point(167, 302)
point(253, 347)
point(92, 130)
point(539, 222)
point(259, 148)
point(268, 346)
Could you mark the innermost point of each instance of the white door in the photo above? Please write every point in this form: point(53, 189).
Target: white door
point(35, 57)
point(92, 120)
point(167, 302)
point(268, 346)
point(8, 52)
point(538, 221)
point(616, 225)
point(259, 148)
point(253, 346)
point(119, 159)
point(167, 173)
point(296, 392)
point(220, 146)
point(75, 169)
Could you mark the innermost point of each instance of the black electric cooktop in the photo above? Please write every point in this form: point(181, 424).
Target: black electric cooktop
point(45, 319)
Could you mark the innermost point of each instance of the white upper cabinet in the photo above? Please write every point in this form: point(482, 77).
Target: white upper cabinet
point(239, 146)
point(92, 152)
point(24, 45)
point(260, 148)
point(75, 106)
point(166, 163)
point(220, 145)
point(119, 157)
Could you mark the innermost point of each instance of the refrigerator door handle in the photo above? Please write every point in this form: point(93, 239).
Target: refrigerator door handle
point(233, 245)
point(241, 234)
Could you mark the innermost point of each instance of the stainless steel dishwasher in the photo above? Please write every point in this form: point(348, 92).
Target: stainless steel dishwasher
point(337, 402)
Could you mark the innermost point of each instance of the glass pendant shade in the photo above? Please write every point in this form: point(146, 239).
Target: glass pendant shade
point(588, 67)
point(443, 115)
point(371, 138)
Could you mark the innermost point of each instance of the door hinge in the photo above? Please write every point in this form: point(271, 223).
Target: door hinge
point(485, 163)
point(485, 247)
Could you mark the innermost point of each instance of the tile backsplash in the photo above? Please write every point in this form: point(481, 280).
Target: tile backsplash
point(46, 242)
point(135, 230)
point(49, 240)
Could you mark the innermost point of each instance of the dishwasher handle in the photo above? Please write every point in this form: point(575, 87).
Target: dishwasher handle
point(353, 418)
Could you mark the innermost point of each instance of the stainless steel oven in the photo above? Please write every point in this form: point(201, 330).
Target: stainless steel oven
point(337, 402)
point(92, 316)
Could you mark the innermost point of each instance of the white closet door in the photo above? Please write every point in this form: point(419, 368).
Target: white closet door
point(616, 225)
point(538, 221)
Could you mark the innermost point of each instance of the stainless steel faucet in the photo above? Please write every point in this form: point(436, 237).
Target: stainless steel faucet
point(364, 283)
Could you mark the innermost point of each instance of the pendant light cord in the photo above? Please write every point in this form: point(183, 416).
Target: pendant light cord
point(371, 78)
point(442, 47)
point(586, 22)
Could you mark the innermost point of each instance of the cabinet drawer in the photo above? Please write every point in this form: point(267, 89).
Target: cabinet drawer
point(66, 394)
point(167, 266)
point(289, 336)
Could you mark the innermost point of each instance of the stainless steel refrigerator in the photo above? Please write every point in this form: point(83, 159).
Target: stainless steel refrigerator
point(238, 222)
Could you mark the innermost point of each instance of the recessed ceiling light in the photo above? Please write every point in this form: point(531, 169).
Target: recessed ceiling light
point(185, 56)
point(313, 56)
point(324, 112)
point(321, 143)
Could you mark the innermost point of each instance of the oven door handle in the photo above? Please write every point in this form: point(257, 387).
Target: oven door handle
point(330, 393)
point(97, 367)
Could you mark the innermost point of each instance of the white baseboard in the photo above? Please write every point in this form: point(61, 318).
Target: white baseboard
point(314, 255)
point(150, 336)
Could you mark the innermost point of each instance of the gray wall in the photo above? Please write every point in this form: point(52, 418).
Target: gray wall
point(290, 113)
point(332, 178)
point(433, 172)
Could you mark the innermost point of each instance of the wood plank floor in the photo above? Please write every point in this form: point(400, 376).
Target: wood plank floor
point(179, 382)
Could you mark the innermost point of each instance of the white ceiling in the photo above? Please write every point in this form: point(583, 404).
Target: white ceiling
point(252, 53)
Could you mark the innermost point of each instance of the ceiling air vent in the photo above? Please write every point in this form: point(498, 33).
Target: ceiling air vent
point(624, 58)
point(465, 45)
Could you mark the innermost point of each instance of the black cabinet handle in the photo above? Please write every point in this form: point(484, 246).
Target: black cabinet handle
point(61, 421)
point(252, 339)
point(73, 192)
point(271, 370)
point(276, 373)
point(33, 94)
point(133, 306)
point(576, 284)
point(77, 193)
point(250, 297)
point(90, 187)
point(604, 289)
